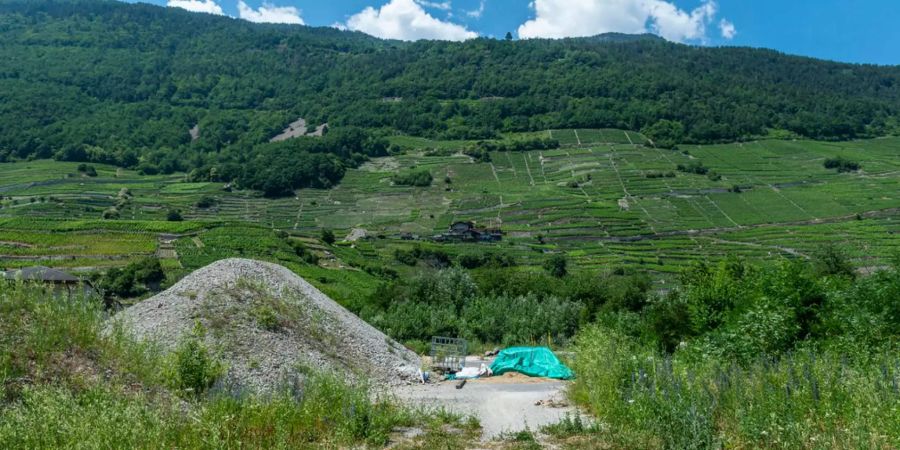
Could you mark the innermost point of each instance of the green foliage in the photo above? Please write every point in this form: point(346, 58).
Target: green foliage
point(135, 103)
point(516, 145)
point(419, 178)
point(485, 259)
point(655, 175)
point(174, 215)
point(570, 425)
point(304, 253)
point(831, 260)
point(87, 170)
point(430, 257)
point(206, 202)
point(665, 133)
point(520, 320)
point(193, 369)
point(842, 165)
point(327, 236)
point(266, 317)
point(448, 302)
point(556, 265)
point(650, 400)
point(132, 280)
point(110, 214)
point(697, 168)
point(70, 380)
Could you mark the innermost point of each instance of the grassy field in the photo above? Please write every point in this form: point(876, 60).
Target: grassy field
point(603, 199)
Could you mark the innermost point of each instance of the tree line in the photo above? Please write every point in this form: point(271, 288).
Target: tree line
point(109, 82)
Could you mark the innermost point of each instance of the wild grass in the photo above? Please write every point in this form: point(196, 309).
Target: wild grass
point(806, 399)
point(68, 381)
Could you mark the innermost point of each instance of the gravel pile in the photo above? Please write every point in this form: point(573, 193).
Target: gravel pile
point(268, 325)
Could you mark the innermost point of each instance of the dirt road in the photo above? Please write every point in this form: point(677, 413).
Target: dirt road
point(500, 407)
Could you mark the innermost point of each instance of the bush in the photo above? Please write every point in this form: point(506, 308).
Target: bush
point(87, 170)
point(556, 266)
point(832, 260)
point(132, 280)
point(206, 202)
point(520, 320)
point(193, 369)
point(842, 165)
point(328, 236)
point(665, 133)
point(649, 400)
point(436, 259)
point(305, 254)
point(266, 317)
point(174, 215)
point(476, 260)
point(695, 167)
point(420, 178)
point(110, 214)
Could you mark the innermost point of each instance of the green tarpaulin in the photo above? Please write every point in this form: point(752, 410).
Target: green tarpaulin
point(531, 361)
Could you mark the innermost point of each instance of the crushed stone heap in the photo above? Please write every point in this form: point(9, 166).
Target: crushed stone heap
point(266, 323)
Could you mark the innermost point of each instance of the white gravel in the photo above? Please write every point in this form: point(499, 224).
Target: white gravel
point(313, 331)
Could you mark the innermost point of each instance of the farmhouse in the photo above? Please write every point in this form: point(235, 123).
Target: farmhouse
point(61, 282)
point(468, 232)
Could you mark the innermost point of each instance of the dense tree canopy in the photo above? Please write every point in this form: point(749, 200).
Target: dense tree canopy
point(98, 80)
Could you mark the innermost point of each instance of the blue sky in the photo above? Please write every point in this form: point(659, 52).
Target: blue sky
point(862, 31)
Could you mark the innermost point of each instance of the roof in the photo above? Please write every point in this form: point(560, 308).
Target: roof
point(40, 273)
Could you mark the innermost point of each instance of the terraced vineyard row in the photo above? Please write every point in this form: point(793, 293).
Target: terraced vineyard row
point(605, 198)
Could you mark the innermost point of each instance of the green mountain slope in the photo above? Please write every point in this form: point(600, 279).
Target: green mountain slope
point(103, 80)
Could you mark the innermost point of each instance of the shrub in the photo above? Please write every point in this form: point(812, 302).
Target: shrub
point(328, 236)
point(649, 400)
point(420, 178)
point(476, 260)
point(87, 170)
point(110, 214)
point(520, 320)
point(556, 265)
point(192, 368)
point(174, 215)
point(132, 280)
point(432, 258)
point(694, 167)
point(266, 317)
point(206, 202)
point(305, 254)
point(834, 261)
point(842, 165)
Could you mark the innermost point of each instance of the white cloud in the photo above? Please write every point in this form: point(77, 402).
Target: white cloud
point(269, 13)
point(406, 20)
point(676, 25)
point(443, 6)
point(477, 13)
point(728, 30)
point(571, 18)
point(202, 6)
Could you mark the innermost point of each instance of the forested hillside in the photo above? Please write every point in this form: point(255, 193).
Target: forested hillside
point(103, 81)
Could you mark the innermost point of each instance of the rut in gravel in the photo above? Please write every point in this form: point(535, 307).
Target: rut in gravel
point(269, 326)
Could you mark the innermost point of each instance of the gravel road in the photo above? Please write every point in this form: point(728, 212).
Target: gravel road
point(502, 404)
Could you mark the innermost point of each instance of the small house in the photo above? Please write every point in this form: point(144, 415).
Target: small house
point(467, 232)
